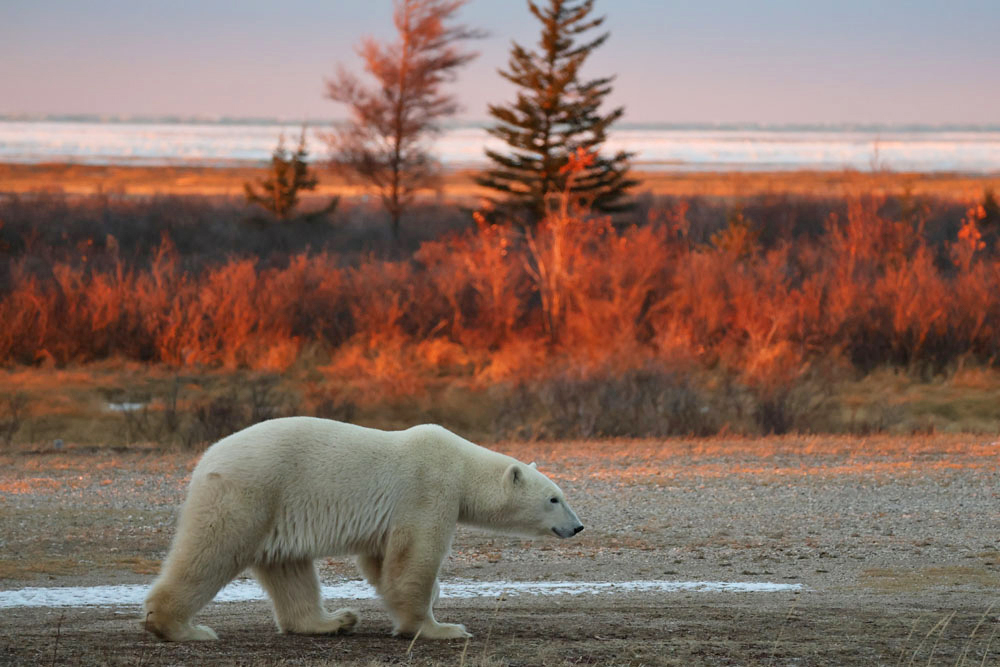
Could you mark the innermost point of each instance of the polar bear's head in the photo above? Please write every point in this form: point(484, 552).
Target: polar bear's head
point(534, 505)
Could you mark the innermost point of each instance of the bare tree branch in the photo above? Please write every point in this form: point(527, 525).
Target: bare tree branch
point(384, 141)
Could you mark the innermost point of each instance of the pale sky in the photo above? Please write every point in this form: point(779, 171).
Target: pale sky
point(768, 61)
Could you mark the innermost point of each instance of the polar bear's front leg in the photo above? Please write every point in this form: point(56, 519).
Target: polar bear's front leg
point(428, 627)
point(409, 585)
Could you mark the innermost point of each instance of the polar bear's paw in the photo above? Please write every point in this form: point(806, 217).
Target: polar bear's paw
point(182, 632)
point(199, 633)
point(436, 630)
point(342, 620)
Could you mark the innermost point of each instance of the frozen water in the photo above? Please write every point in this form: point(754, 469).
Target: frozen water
point(247, 590)
point(963, 149)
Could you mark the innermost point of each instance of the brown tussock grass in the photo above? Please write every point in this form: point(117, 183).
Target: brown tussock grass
point(139, 565)
point(27, 569)
point(909, 581)
point(228, 181)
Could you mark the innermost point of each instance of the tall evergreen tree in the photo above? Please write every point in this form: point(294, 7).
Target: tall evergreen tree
point(555, 114)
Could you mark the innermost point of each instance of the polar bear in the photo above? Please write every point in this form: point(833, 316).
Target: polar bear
point(279, 494)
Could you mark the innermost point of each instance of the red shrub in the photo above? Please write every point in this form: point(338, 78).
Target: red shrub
point(501, 303)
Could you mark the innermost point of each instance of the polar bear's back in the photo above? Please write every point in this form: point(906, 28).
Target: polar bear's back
point(302, 449)
point(325, 487)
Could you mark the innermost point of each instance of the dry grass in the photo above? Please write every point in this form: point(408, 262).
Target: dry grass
point(908, 581)
point(228, 181)
point(631, 459)
point(188, 407)
point(27, 569)
point(139, 565)
point(655, 461)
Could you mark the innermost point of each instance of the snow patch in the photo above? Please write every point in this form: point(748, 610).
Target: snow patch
point(245, 590)
point(125, 407)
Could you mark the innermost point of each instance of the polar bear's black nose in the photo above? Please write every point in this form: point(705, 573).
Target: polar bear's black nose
point(578, 529)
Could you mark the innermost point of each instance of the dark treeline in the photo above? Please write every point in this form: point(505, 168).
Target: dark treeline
point(37, 230)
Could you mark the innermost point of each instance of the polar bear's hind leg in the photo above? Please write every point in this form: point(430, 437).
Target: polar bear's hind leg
point(294, 591)
point(371, 568)
point(214, 540)
point(184, 586)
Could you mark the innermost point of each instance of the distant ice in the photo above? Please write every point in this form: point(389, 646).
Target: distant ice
point(747, 148)
point(247, 590)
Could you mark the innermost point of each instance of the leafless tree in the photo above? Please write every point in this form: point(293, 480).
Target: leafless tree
point(384, 142)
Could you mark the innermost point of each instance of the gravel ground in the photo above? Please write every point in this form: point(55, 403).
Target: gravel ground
point(896, 542)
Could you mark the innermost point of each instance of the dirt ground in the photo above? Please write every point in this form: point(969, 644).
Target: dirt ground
point(896, 542)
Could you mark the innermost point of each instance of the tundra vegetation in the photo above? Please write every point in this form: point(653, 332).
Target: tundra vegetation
point(688, 315)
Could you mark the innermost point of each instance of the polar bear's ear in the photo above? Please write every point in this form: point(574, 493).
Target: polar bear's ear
point(513, 475)
point(533, 465)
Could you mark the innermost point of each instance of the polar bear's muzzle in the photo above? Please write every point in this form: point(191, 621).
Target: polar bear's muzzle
point(568, 532)
point(570, 525)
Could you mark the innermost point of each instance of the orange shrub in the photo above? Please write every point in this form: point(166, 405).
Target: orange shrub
point(483, 280)
point(618, 283)
point(575, 294)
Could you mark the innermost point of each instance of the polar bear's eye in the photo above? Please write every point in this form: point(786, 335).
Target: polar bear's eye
point(553, 500)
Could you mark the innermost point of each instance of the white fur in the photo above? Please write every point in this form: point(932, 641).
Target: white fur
point(284, 492)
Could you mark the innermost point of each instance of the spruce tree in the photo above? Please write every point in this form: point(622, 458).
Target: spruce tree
point(555, 114)
point(289, 174)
